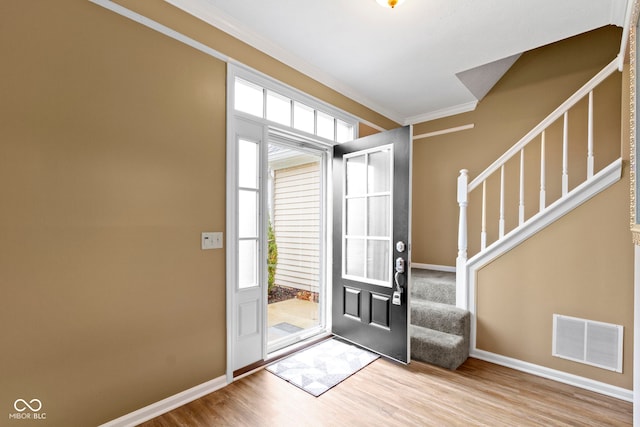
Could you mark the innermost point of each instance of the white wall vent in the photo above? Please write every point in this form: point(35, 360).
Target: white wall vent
point(587, 341)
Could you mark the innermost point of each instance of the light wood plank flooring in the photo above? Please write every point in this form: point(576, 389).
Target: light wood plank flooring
point(388, 394)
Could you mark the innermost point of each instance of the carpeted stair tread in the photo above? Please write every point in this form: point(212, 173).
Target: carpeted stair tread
point(439, 330)
point(438, 348)
point(436, 286)
point(443, 277)
point(440, 317)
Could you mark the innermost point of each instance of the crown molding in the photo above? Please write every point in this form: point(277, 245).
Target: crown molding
point(444, 131)
point(445, 112)
point(208, 13)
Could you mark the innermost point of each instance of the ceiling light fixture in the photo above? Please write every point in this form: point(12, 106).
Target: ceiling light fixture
point(390, 3)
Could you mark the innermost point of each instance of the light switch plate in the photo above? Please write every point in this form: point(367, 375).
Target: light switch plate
point(211, 240)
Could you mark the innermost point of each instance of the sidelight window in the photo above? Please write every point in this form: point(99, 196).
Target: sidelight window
point(248, 214)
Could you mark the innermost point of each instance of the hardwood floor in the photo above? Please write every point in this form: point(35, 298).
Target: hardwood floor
point(388, 394)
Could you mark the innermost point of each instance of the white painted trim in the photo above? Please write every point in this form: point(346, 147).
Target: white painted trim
point(444, 131)
point(279, 86)
point(267, 82)
point(388, 282)
point(230, 209)
point(154, 25)
point(445, 112)
point(579, 195)
point(373, 125)
point(284, 135)
point(409, 242)
point(165, 405)
point(555, 375)
point(585, 191)
point(434, 267)
point(546, 122)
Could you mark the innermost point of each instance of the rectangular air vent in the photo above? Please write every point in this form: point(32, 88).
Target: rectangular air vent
point(587, 341)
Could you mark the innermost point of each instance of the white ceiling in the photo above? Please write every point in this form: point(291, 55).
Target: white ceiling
point(403, 62)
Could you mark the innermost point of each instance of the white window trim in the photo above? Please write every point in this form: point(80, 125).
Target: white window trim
point(268, 83)
point(388, 282)
point(252, 76)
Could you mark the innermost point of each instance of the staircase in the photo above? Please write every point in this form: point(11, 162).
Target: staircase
point(439, 330)
point(443, 322)
point(494, 244)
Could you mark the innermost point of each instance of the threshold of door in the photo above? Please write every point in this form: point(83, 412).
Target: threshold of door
point(277, 355)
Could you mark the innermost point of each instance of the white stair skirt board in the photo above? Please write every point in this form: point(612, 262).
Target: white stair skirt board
point(165, 405)
point(434, 267)
point(465, 291)
point(555, 375)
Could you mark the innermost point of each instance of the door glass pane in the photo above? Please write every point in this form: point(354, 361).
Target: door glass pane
point(378, 215)
point(354, 257)
point(325, 125)
point(344, 131)
point(247, 263)
point(379, 168)
point(356, 176)
point(303, 117)
point(249, 98)
point(278, 108)
point(247, 164)
point(378, 260)
point(355, 216)
point(247, 213)
point(368, 215)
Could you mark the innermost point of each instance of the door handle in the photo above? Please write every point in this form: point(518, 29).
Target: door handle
point(400, 268)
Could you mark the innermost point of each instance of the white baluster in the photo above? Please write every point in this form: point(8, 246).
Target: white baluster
point(590, 138)
point(461, 260)
point(521, 204)
point(543, 179)
point(565, 155)
point(501, 220)
point(483, 234)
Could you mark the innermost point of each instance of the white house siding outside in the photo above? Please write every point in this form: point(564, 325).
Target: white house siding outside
point(296, 221)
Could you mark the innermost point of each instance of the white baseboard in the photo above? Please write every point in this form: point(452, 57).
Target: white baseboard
point(552, 374)
point(433, 267)
point(165, 405)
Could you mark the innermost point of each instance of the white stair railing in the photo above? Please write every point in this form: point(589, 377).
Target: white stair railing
point(465, 188)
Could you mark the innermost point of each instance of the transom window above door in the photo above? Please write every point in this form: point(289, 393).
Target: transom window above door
point(258, 101)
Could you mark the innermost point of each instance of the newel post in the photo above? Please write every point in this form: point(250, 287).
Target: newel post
point(461, 260)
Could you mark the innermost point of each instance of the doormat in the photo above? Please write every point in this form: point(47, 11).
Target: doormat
point(318, 368)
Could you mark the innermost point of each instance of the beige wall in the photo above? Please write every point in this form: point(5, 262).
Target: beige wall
point(581, 265)
point(167, 14)
point(536, 84)
point(112, 161)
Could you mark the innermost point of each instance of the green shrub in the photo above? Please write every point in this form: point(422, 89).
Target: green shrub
point(272, 257)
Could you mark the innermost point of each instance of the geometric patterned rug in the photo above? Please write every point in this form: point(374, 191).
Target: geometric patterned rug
point(318, 368)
